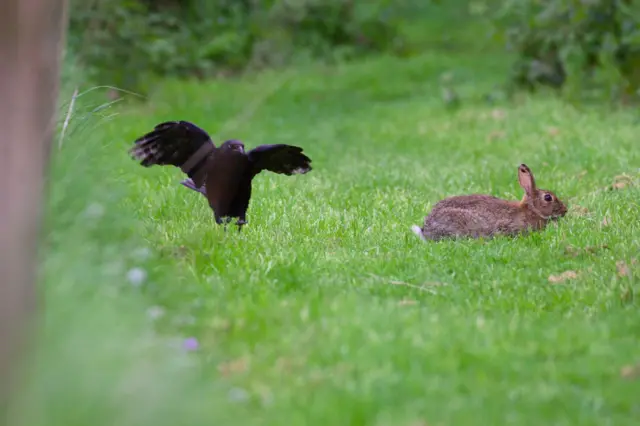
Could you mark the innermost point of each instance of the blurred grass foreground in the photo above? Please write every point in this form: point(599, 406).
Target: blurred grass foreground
point(326, 309)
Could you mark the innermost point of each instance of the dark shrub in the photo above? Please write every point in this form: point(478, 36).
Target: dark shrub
point(568, 41)
point(124, 41)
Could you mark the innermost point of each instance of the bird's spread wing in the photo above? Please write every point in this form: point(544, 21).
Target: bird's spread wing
point(279, 158)
point(177, 143)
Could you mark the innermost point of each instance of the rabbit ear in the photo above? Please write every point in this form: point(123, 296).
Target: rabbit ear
point(527, 182)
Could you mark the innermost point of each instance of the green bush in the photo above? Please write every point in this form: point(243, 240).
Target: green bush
point(124, 41)
point(571, 42)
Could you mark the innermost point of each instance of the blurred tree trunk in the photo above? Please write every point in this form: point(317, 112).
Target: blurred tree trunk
point(31, 45)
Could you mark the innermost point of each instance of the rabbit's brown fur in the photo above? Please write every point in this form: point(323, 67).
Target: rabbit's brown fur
point(480, 215)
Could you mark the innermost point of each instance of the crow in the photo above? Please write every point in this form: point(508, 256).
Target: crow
point(222, 174)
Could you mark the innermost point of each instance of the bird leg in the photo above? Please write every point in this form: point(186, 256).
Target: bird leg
point(223, 221)
point(242, 221)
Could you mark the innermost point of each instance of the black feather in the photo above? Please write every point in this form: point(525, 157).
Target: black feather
point(170, 143)
point(279, 158)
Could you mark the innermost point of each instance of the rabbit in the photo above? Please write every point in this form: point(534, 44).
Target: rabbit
point(479, 215)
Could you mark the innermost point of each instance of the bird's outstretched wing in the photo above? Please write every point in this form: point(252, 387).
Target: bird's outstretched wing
point(177, 143)
point(279, 158)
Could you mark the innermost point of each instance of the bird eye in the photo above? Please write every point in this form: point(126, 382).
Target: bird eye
point(548, 198)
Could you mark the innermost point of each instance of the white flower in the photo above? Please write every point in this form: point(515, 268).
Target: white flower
point(136, 276)
point(155, 312)
point(94, 210)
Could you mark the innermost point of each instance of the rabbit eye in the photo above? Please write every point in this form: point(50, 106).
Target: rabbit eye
point(548, 198)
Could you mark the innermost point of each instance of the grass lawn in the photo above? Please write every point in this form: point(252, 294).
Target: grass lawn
point(326, 309)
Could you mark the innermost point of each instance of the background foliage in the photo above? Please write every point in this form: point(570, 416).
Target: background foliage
point(584, 44)
point(124, 40)
point(574, 44)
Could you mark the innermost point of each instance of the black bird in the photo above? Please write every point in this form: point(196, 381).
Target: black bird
point(223, 175)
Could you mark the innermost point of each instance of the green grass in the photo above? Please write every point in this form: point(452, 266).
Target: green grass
point(326, 309)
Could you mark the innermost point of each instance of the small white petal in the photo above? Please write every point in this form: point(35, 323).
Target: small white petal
point(155, 312)
point(136, 276)
point(94, 210)
point(238, 395)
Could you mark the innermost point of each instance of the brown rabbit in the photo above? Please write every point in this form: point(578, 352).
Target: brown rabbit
point(484, 215)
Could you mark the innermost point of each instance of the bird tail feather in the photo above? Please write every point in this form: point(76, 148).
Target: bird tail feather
point(191, 185)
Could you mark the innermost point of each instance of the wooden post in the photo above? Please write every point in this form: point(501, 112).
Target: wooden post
point(31, 46)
